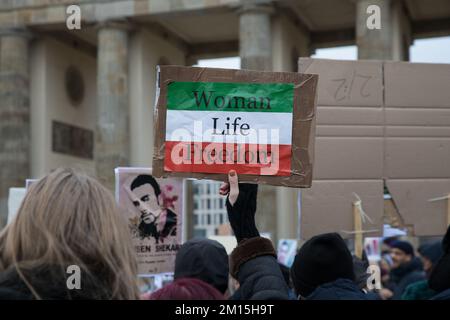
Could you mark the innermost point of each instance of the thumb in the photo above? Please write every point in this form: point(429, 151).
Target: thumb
point(234, 187)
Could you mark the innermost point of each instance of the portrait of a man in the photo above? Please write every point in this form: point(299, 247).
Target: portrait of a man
point(155, 220)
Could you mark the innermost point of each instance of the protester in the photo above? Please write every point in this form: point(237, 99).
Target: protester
point(406, 269)
point(429, 254)
point(186, 289)
point(253, 262)
point(203, 259)
point(67, 219)
point(440, 275)
point(323, 270)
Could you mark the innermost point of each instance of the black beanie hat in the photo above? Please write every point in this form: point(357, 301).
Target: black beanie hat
point(322, 259)
point(405, 246)
point(203, 259)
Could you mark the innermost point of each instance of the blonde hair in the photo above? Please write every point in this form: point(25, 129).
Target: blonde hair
point(68, 218)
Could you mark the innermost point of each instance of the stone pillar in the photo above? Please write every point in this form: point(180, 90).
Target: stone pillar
point(112, 141)
point(255, 41)
point(287, 213)
point(401, 32)
point(392, 41)
point(255, 50)
point(14, 113)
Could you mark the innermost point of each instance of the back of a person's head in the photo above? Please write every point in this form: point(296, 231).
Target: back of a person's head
point(203, 259)
point(431, 251)
point(187, 289)
point(68, 218)
point(322, 259)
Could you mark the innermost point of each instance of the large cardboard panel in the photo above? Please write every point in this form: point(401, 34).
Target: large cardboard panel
point(303, 131)
point(406, 139)
point(414, 132)
point(348, 158)
point(417, 157)
point(340, 115)
point(328, 207)
point(417, 85)
point(417, 117)
point(346, 83)
point(411, 199)
point(349, 131)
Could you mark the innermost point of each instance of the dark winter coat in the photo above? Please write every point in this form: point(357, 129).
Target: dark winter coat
point(440, 276)
point(419, 290)
point(405, 275)
point(341, 289)
point(444, 295)
point(253, 263)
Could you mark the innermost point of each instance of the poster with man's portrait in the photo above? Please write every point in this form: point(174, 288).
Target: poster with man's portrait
point(153, 209)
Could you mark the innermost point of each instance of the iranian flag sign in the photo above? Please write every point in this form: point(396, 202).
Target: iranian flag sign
point(213, 127)
point(212, 121)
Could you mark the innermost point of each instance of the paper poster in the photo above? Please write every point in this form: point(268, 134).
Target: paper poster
point(372, 247)
point(15, 198)
point(153, 209)
point(287, 249)
point(211, 121)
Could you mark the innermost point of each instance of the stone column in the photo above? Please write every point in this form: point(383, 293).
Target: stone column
point(14, 113)
point(255, 41)
point(392, 41)
point(255, 50)
point(112, 141)
point(401, 32)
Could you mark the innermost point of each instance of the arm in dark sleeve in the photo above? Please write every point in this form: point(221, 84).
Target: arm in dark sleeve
point(253, 263)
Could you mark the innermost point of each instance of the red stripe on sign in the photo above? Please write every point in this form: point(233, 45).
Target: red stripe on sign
point(209, 157)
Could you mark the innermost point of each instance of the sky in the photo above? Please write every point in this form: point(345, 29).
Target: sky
point(433, 50)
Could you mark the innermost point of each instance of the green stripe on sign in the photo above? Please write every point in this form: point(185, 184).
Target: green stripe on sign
point(217, 96)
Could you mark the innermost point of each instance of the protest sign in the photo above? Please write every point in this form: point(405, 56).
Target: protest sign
point(15, 198)
point(287, 249)
point(153, 209)
point(209, 121)
point(372, 247)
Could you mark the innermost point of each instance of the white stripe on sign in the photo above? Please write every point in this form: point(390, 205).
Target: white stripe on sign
point(229, 127)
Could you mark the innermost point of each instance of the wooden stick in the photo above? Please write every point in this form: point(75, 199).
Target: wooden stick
point(448, 210)
point(357, 226)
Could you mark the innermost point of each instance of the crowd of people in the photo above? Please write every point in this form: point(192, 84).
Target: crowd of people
point(68, 218)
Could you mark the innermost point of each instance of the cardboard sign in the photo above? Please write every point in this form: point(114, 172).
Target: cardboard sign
point(153, 209)
point(209, 121)
point(379, 123)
